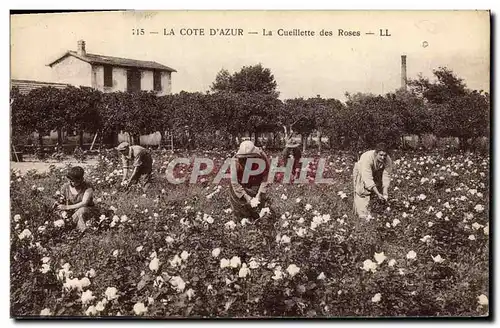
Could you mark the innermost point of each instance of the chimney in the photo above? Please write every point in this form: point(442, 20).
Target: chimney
point(81, 48)
point(403, 72)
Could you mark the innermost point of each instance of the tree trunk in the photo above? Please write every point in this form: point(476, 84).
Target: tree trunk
point(115, 139)
point(319, 141)
point(192, 141)
point(462, 143)
point(40, 140)
point(304, 142)
point(136, 139)
point(40, 153)
point(162, 136)
point(59, 138)
point(80, 138)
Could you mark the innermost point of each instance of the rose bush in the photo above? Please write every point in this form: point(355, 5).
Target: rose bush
point(178, 251)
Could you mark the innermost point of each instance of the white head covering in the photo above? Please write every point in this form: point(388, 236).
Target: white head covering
point(122, 146)
point(247, 148)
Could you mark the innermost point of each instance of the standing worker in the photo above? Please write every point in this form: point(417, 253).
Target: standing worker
point(139, 158)
point(371, 177)
point(292, 149)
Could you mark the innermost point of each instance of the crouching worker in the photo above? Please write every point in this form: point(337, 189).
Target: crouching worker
point(139, 159)
point(78, 198)
point(248, 193)
point(371, 177)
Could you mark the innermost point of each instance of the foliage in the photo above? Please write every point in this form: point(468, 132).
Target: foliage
point(455, 110)
point(246, 102)
point(250, 79)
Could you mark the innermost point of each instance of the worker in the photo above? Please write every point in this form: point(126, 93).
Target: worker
point(139, 159)
point(292, 149)
point(371, 177)
point(77, 198)
point(248, 197)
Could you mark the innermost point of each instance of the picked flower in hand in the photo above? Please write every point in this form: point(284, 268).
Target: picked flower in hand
point(254, 202)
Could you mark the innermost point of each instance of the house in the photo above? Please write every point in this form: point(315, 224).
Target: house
point(110, 74)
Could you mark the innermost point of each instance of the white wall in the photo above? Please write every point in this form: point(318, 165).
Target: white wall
point(166, 84)
point(147, 80)
point(119, 79)
point(73, 71)
point(97, 77)
point(146, 140)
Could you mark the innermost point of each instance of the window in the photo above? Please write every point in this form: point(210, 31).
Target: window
point(133, 80)
point(157, 80)
point(108, 76)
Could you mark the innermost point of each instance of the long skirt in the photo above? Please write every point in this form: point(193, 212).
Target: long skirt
point(361, 195)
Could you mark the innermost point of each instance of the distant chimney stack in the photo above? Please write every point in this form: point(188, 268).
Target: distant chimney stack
point(403, 72)
point(81, 48)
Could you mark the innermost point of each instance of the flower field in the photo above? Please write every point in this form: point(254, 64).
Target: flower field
point(178, 251)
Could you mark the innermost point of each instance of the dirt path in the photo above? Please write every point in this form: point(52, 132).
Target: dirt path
point(42, 167)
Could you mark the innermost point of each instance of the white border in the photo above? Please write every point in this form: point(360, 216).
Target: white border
point(211, 5)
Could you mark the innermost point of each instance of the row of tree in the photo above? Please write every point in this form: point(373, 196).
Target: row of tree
point(247, 102)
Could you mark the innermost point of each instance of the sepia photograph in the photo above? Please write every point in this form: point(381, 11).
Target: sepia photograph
point(252, 164)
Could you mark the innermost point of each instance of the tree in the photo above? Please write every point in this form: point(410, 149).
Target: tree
point(225, 113)
point(190, 119)
point(42, 110)
point(82, 107)
point(113, 113)
point(446, 87)
point(415, 116)
point(252, 94)
point(456, 111)
point(329, 120)
point(373, 119)
point(166, 116)
point(222, 82)
point(254, 78)
point(298, 113)
point(21, 116)
point(466, 118)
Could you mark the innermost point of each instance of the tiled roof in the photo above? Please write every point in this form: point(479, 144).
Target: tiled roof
point(25, 86)
point(115, 61)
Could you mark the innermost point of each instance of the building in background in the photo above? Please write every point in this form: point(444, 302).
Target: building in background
point(104, 73)
point(25, 86)
point(109, 74)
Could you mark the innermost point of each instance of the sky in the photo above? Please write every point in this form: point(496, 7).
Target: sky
point(303, 66)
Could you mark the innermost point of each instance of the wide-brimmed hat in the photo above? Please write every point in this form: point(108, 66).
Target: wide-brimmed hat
point(123, 146)
point(290, 143)
point(247, 149)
